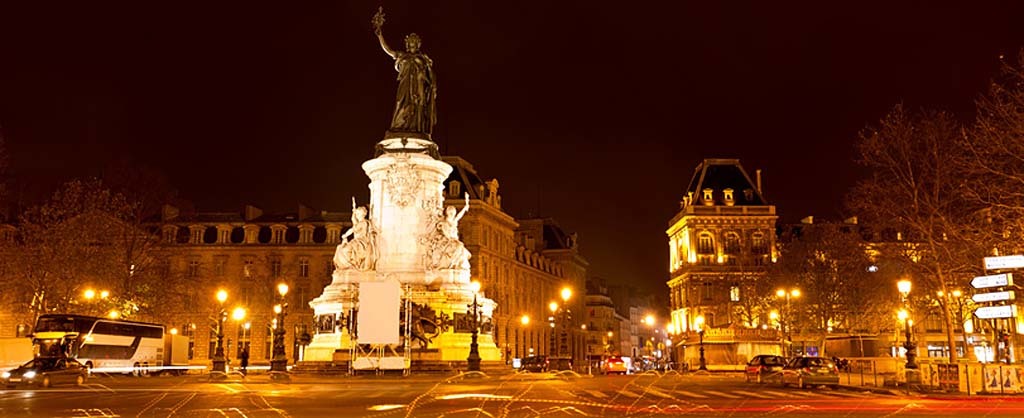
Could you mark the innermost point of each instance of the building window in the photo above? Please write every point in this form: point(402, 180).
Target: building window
point(213, 342)
point(707, 289)
point(732, 243)
point(248, 267)
point(275, 267)
point(734, 293)
point(454, 188)
point(245, 294)
point(244, 338)
point(705, 244)
point(758, 244)
point(328, 268)
point(189, 330)
point(218, 266)
point(303, 268)
point(193, 268)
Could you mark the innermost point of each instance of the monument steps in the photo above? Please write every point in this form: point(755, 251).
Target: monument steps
point(418, 366)
point(321, 368)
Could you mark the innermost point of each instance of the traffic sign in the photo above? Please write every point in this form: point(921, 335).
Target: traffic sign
point(993, 297)
point(1004, 262)
point(992, 312)
point(994, 280)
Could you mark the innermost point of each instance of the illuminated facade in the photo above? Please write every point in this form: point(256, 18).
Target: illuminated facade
point(248, 254)
point(720, 242)
point(522, 264)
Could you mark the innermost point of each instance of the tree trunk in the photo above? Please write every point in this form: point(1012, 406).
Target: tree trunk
point(947, 317)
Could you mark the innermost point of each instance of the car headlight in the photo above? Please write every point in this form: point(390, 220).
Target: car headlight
point(6, 375)
point(29, 374)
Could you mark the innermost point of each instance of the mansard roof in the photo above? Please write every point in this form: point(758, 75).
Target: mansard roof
point(719, 174)
point(464, 173)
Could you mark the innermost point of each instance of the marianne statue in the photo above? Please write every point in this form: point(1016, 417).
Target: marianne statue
point(415, 103)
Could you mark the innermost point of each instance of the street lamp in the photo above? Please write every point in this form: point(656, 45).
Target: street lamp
point(473, 361)
point(699, 324)
point(524, 321)
point(219, 363)
point(563, 330)
point(279, 362)
point(904, 288)
point(784, 321)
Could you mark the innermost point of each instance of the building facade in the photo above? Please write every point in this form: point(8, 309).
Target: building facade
point(720, 243)
point(521, 263)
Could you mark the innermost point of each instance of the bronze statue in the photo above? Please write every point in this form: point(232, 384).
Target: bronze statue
point(415, 103)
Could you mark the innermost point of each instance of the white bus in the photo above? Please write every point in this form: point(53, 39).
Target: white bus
point(101, 344)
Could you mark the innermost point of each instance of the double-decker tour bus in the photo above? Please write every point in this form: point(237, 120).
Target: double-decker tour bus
point(101, 344)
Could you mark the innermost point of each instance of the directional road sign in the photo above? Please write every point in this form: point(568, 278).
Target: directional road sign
point(1004, 262)
point(991, 312)
point(993, 297)
point(994, 280)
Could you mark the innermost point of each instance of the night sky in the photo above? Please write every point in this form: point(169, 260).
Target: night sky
point(595, 114)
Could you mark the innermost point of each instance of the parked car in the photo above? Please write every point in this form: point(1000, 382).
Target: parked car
point(536, 364)
point(810, 371)
point(764, 367)
point(616, 364)
point(46, 372)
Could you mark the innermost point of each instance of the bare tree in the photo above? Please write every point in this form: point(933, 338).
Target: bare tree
point(994, 156)
point(915, 194)
point(841, 291)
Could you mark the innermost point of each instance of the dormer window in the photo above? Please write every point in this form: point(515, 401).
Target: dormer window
point(728, 197)
point(454, 188)
point(748, 194)
point(708, 197)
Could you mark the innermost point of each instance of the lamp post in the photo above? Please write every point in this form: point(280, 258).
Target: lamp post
point(279, 362)
point(524, 321)
point(473, 361)
point(785, 318)
point(699, 324)
point(904, 288)
point(219, 362)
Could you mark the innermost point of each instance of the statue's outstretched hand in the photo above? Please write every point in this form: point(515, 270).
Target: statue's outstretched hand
point(378, 20)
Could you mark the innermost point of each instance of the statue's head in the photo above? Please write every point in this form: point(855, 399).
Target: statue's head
point(359, 214)
point(412, 42)
point(450, 212)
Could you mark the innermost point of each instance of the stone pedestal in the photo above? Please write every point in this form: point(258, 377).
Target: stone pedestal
point(406, 202)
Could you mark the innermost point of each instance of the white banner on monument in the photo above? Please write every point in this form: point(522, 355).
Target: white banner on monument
point(379, 303)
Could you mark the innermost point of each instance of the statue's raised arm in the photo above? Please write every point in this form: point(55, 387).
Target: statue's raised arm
point(378, 24)
point(464, 209)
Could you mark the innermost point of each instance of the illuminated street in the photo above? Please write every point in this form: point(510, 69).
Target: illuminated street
point(525, 395)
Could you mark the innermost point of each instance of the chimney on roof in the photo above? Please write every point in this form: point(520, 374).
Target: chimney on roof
point(252, 212)
point(808, 220)
point(305, 212)
point(757, 179)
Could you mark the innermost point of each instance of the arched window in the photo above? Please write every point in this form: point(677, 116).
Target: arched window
point(705, 244)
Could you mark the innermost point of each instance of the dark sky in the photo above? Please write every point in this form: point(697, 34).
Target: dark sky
point(595, 113)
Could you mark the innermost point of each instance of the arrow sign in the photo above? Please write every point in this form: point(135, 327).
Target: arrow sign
point(992, 312)
point(1004, 262)
point(993, 297)
point(994, 280)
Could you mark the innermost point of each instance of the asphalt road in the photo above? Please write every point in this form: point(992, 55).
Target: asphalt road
point(529, 395)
